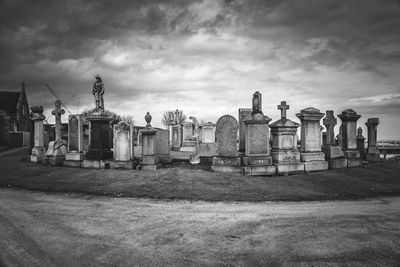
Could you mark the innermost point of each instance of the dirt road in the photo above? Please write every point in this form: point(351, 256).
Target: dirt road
point(55, 229)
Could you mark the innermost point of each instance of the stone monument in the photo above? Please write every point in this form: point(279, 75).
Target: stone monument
point(38, 151)
point(333, 153)
point(361, 143)
point(244, 113)
point(75, 155)
point(99, 132)
point(123, 147)
point(257, 159)
point(207, 145)
point(372, 150)
point(349, 122)
point(150, 158)
point(310, 144)
point(227, 159)
point(285, 155)
point(57, 149)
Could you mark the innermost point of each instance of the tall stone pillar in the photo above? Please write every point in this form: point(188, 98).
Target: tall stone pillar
point(360, 143)
point(75, 156)
point(38, 151)
point(150, 159)
point(310, 144)
point(372, 150)
point(349, 122)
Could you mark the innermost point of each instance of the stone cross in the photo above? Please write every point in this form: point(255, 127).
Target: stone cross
point(330, 121)
point(57, 112)
point(283, 107)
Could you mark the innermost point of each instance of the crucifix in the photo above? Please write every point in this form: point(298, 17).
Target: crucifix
point(57, 112)
point(330, 121)
point(283, 107)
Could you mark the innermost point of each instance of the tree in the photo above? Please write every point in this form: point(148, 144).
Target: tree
point(179, 117)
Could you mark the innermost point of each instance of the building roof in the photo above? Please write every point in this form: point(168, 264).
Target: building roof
point(9, 101)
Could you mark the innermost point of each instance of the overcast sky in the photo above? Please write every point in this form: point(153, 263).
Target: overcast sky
point(207, 57)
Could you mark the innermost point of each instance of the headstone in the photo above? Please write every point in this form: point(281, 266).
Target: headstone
point(208, 133)
point(100, 136)
point(57, 149)
point(349, 122)
point(333, 153)
point(207, 148)
point(310, 144)
point(162, 146)
point(372, 150)
point(123, 147)
point(227, 159)
point(244, 113)
point(187, 131)
point(176, 137)
point(257, 159)
point(75, 156)
point(361, 143)
point(150, 158)
point(38, 151)
point(285, 155)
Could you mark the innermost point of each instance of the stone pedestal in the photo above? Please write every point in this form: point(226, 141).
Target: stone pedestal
point(310, 145)
point(38, 151)
point(334, 156)
point(372, 150)
point(75, 155)
point(99, 142)
point(227, 159)
point(285, 155)
point(349, 130)
point(150, 160)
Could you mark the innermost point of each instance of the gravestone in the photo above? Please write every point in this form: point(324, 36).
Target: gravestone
point(38, 150)
point(372, 150)
point(188, 145)
point(57, 149)
point(333, 153)
point(349, 131)
point(257, 159)
point(244, 113)
point(100, 139)
point(176, 137)
point(75, 156)
point(310, 143)
point(162, 146)
point(207, 148)
point(285, 155)
point(227, 159)
point(361, 143)
point(123, 147)
point(150, 158)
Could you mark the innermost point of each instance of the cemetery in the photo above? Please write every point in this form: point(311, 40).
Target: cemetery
point(250, 144)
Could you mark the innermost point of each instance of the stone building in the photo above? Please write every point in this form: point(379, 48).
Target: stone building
point(14, 114)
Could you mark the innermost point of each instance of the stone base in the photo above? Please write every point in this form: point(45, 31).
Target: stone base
point(225, 161)
point(73, 163)
point(259, 170)
point(53, 161)
point(226, 169)
point(95, 164)
point(257, 160)
point(75, 156)
point(150, 160)
point(124, 165)
point(99, 154)
point(332, 152)
point(312, 156)
point(37, 158)
point(208, 149)
point(373, 157)
point(285, 157)
point(352, 163)
point(312, 166)
point(151, 167)
point(339, 163)
point(292, 168)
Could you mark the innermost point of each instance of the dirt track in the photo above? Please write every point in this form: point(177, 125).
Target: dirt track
point(45, 229)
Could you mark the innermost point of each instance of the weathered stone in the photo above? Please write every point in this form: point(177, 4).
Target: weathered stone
point(208, 133)
point(312, 156)
point(99, 138)
point(372, 152)
point(319, 165)
point(337, 163)
point(259, 170)
point(123, 145)
point(332, 152)
point(208, 149)
point(95, 164)
point(244, 113)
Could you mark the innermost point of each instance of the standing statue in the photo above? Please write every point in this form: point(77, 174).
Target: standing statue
point(98, 92)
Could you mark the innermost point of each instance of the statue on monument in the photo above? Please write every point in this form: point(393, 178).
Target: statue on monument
point(98, 92)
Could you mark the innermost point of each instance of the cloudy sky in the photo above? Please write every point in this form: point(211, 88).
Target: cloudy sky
point(207, 57)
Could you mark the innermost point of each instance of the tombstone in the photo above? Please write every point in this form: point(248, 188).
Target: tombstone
point(310, 144)
point(38, 150)
point(361, 143)
point(372, 150)
point(100, 140)
point(207, 146)
point(188, 144)
point(257, 159)
point(162, 146)
point(244, 113)
point(349, 122)
point(285, 155)
point(150, 159)
point(227, 159)
point(333, 153)
point(57, 149)
point(75, 156)
point(176, 137)
point(123, 154)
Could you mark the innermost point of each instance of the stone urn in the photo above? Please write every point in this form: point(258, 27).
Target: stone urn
point(148, 118)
